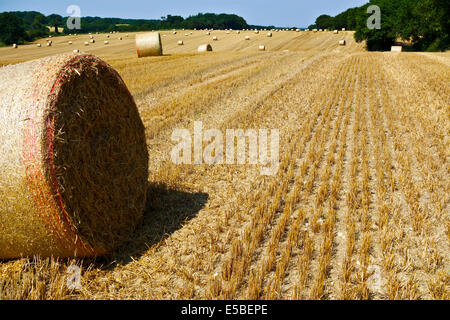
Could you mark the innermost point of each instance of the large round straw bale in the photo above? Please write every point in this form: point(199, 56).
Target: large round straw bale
point(106, 42)
point(205, 48)
point(269, 34)
point(86, 43)
point(342, 42)
point(314, 30)
point(38, 45)
point(70, 42)
point(76, 51)
point(148, 44)
point(73, 156)
point(215, 38)
point(262, 48)
point(180, 42)
point(92, 41)
point(49, 44)
point(335, 32)
point(15, 46)
point(247, 38)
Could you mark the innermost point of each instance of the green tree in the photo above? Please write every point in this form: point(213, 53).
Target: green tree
point(11, 29)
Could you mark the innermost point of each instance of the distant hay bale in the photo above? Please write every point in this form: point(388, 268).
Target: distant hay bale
point(314, 30)
point(174, 32)
point(205, 48)
point(92, 41)
point(247, 38)
point(76, 51)
point(70, 42)
point(86, 43)
point(256, 32)
point(238, 32)
point(107, 35)
point(148, 44)
point(396, 49)
point(126, 35)
point(208, 33)
point(335, 32)
point(120, 38)
point(91, 36)
point(106, 42)
point(342, 42)
point(320, 30)
point(228, 32)
point(343, 29)
point(73, 156)
point(14, 46)
point(180, 42)
point(186, 34)
point(38, 45)
point(49, 44)
point(269, 34)
point(262, 48)
point(215, 38)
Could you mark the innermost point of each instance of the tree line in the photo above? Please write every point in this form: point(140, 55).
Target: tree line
point(20, 27)
point(423, 25)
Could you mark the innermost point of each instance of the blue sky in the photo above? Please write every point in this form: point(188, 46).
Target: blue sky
point(299, 13)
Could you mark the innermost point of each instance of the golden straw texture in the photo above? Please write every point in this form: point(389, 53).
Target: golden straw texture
point(148, 44)
point(73, 156)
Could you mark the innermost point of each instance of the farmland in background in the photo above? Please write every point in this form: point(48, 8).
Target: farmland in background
point(358, 209)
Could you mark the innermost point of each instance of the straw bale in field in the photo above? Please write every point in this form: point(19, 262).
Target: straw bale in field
point(73, 156)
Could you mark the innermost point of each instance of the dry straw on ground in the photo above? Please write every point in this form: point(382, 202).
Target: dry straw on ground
point(73, 156)
point(148, 44)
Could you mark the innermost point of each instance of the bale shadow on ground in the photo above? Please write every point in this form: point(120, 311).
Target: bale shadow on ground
point(166, 211)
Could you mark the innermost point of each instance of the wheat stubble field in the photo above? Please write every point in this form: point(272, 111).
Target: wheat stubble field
point(358, 209)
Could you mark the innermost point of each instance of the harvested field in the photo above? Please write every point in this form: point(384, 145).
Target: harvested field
point(357, 210)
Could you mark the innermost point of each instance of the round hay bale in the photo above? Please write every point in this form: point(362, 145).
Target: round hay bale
point(38, 45)
point(269, 34)
point(180, 42)
point(314, 30)
point(92, 41)
point(205, 48)
point(208, 33)
point(73, 156)
point(342, 42)
point(106, 42)
point(70, 42)
point(91, 36)
point(336, 32)
point(148, 44)
point(86, 43)
point(247, 38)
point(343, 29)
point(215, 38)
point(174, 32)
point(76, 51)
point(49, 44)
point(120, 38)
point(15, 46)
point(238, 32)
point(107, 35)
point(262, 48)
point(256, 32)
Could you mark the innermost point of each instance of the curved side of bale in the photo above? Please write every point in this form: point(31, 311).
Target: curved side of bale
point(73, 156)
point(148, 44)
point(205, 48)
